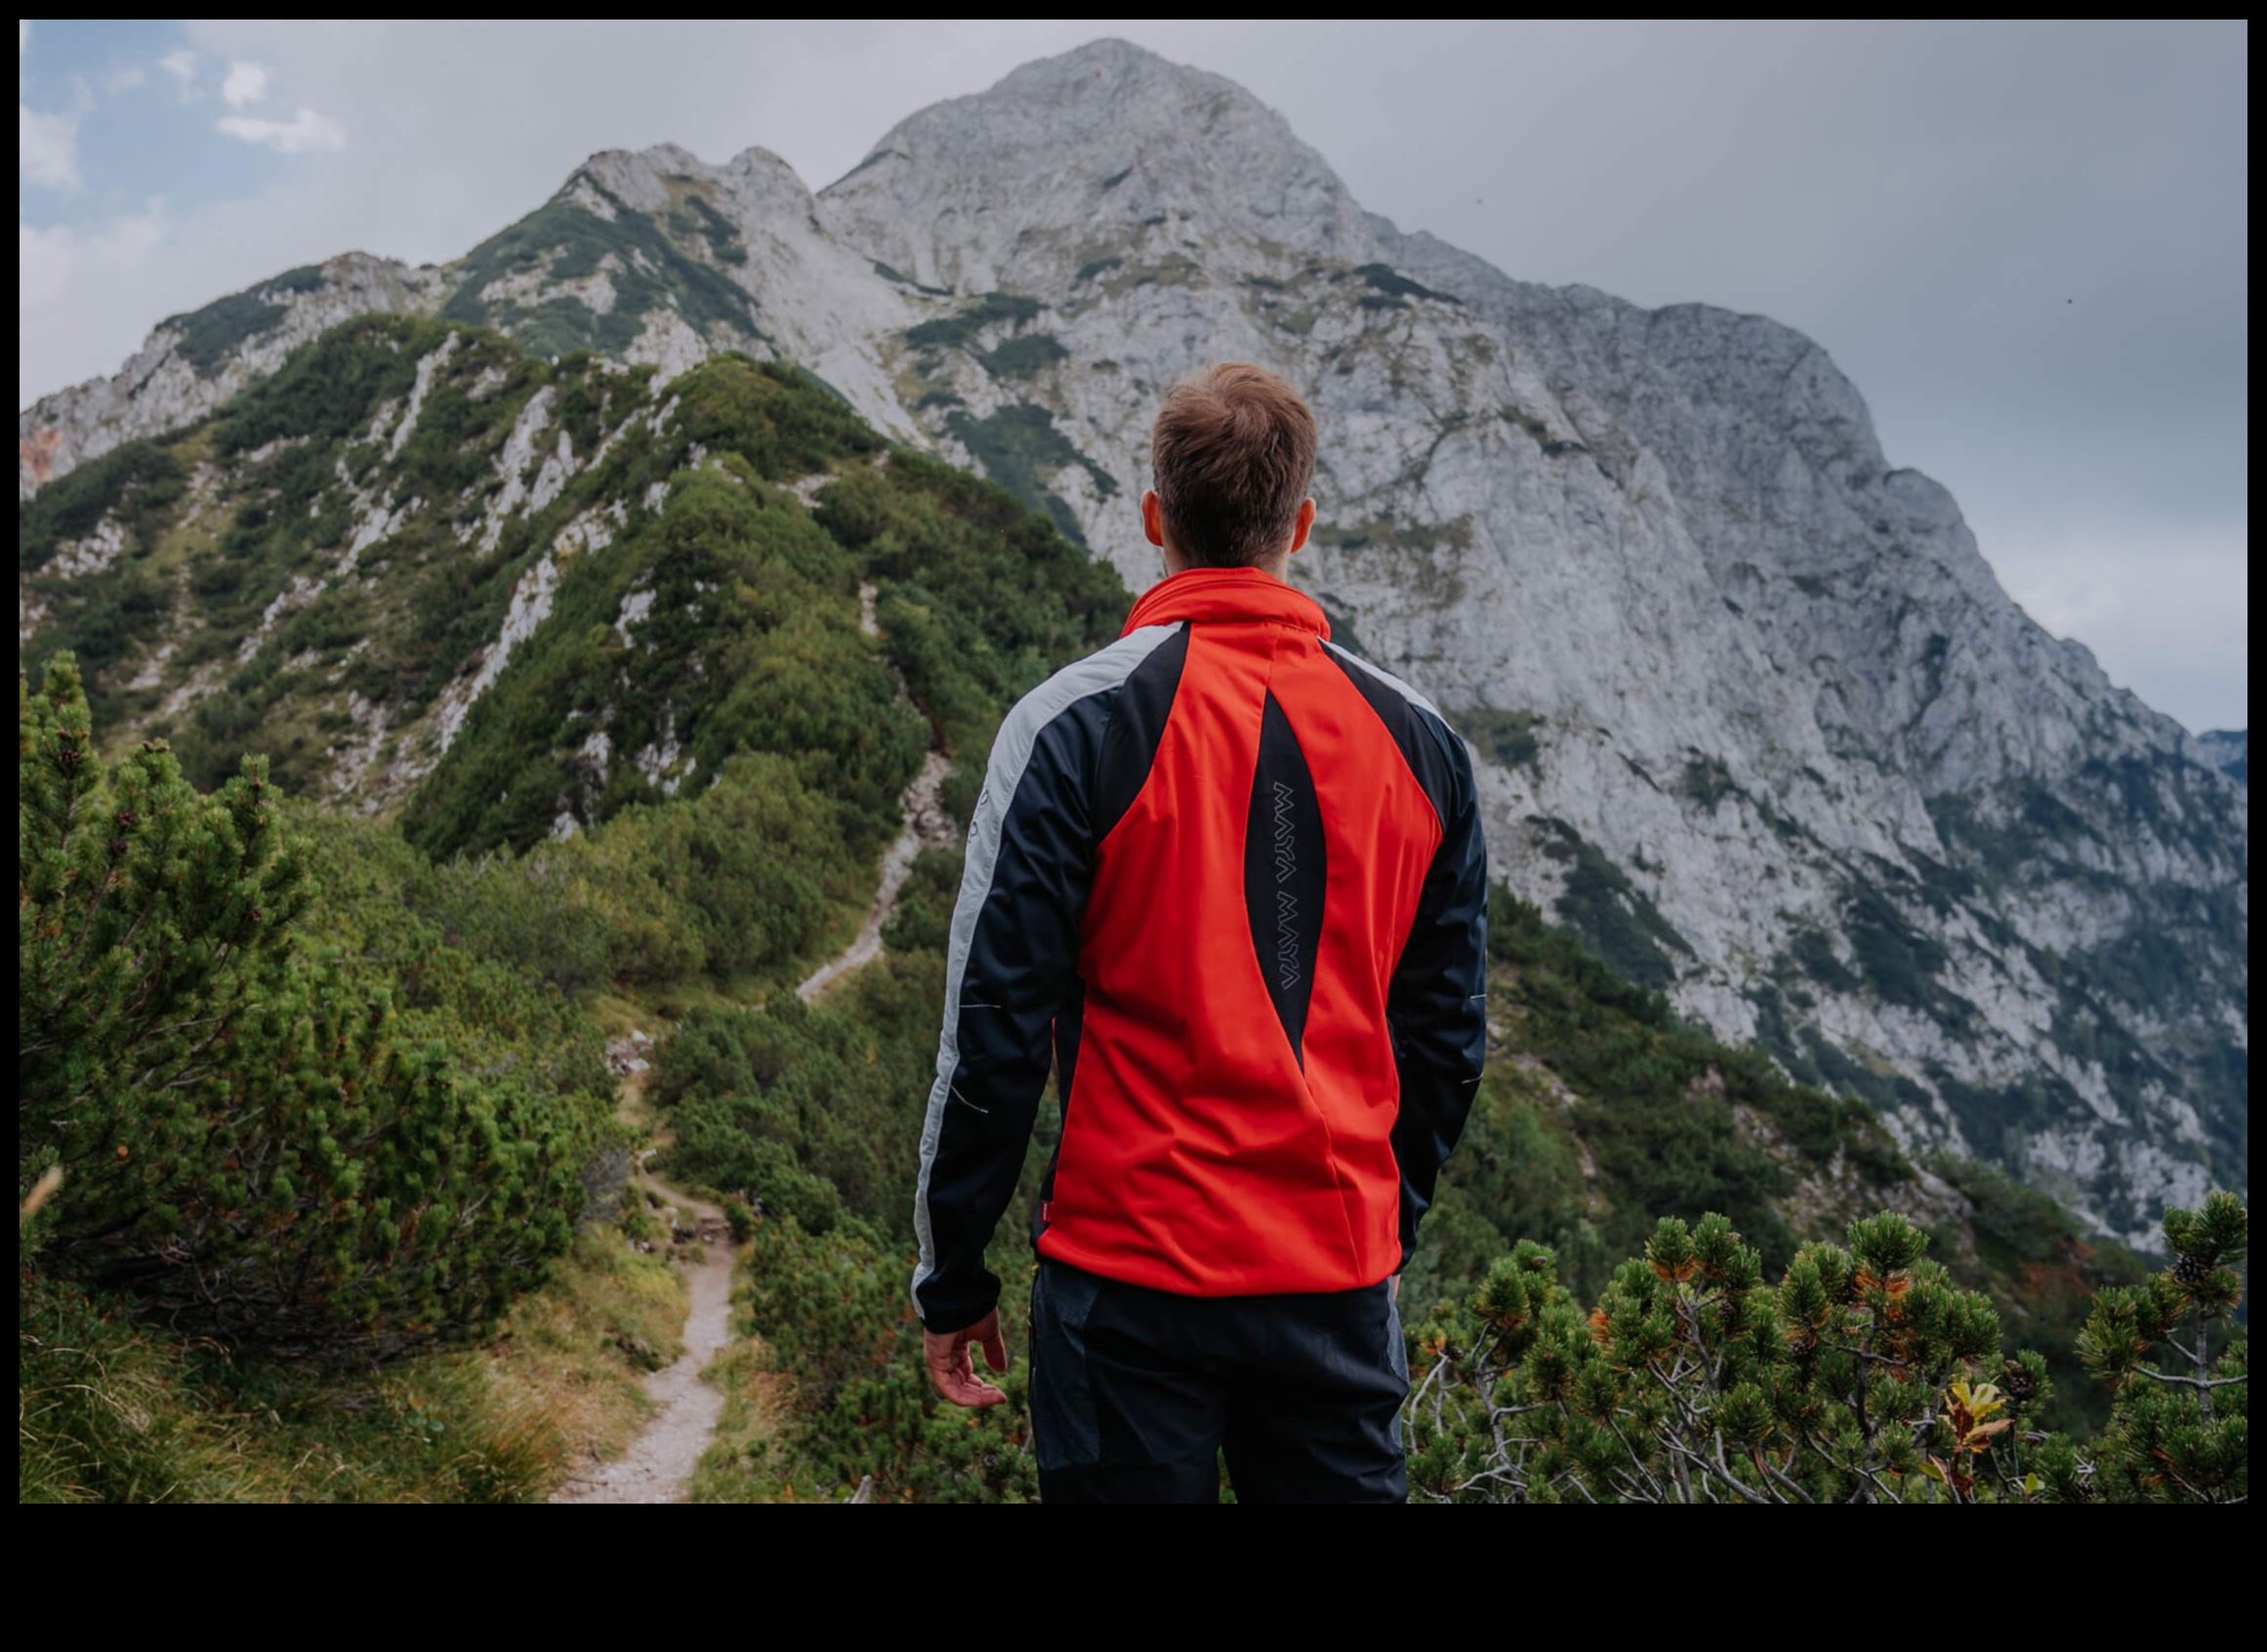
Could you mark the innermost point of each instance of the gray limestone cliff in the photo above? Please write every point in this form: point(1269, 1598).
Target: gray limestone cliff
point(1751, 709)
point(191, 364)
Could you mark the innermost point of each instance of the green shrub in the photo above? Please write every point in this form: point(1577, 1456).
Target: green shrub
point(1021, 449)
point(251, 1143)
point(1862, 1376)
point(750, 643)
point(2180, 1434)
point(137, 481)
point(924, 919)
point(1611, 913)
point(810, 1109)
point(1025, 356)
point(649, 272)
point(1507, 736)
point(832, 1310)
point(1654, 1107)
point(958, 332)
point(208, 336)
point(980, 600)
point(1390, 282)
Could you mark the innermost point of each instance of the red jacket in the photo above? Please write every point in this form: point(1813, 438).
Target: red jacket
point(1231, 878)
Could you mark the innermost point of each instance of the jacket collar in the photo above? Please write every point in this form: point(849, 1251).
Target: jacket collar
point(1228, 594)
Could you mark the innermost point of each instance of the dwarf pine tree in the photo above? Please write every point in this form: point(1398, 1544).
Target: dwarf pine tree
point(2177, 1435)
point(1862, 1376)
point(245, 1142)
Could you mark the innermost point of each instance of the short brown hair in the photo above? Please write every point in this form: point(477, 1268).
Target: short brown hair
point(1232, 453)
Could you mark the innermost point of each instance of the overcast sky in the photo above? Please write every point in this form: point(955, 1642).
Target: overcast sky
point(2026, 244)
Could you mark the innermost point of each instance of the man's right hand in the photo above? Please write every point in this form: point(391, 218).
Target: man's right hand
point(952, 1370)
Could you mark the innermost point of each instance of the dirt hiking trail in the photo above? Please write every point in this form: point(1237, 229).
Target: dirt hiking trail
point(926, 826)
point(659, 1465)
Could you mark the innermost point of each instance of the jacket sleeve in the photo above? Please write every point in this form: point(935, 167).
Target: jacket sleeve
point(1011, 965)
point(1437, 1006)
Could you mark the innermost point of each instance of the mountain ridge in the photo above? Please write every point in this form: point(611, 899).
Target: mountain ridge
point(1751, 710)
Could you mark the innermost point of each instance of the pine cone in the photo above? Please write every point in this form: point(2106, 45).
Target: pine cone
point(2016, 1383)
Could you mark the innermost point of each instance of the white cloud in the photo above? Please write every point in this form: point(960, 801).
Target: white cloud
point(305, 133)
point(47, 145)
point(131, 78)
point(47, 148)
point(182, 66)
point(61, 263)
point(247, 83)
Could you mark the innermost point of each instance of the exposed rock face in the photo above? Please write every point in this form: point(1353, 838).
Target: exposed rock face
point(1751, 709)
point(192, 363)
point(658, 257)
point(2228, 750)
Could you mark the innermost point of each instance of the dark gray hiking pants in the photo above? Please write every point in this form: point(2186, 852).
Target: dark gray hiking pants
point(1135, 1394)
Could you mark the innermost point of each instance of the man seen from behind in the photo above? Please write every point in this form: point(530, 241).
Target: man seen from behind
point(1226, 879)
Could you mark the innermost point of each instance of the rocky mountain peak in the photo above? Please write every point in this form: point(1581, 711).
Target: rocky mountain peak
point(760, 180)
point(192, 363)
point(979, 193)
point(764, 179)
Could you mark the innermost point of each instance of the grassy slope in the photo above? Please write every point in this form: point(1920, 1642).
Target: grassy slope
point(109, 1411)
